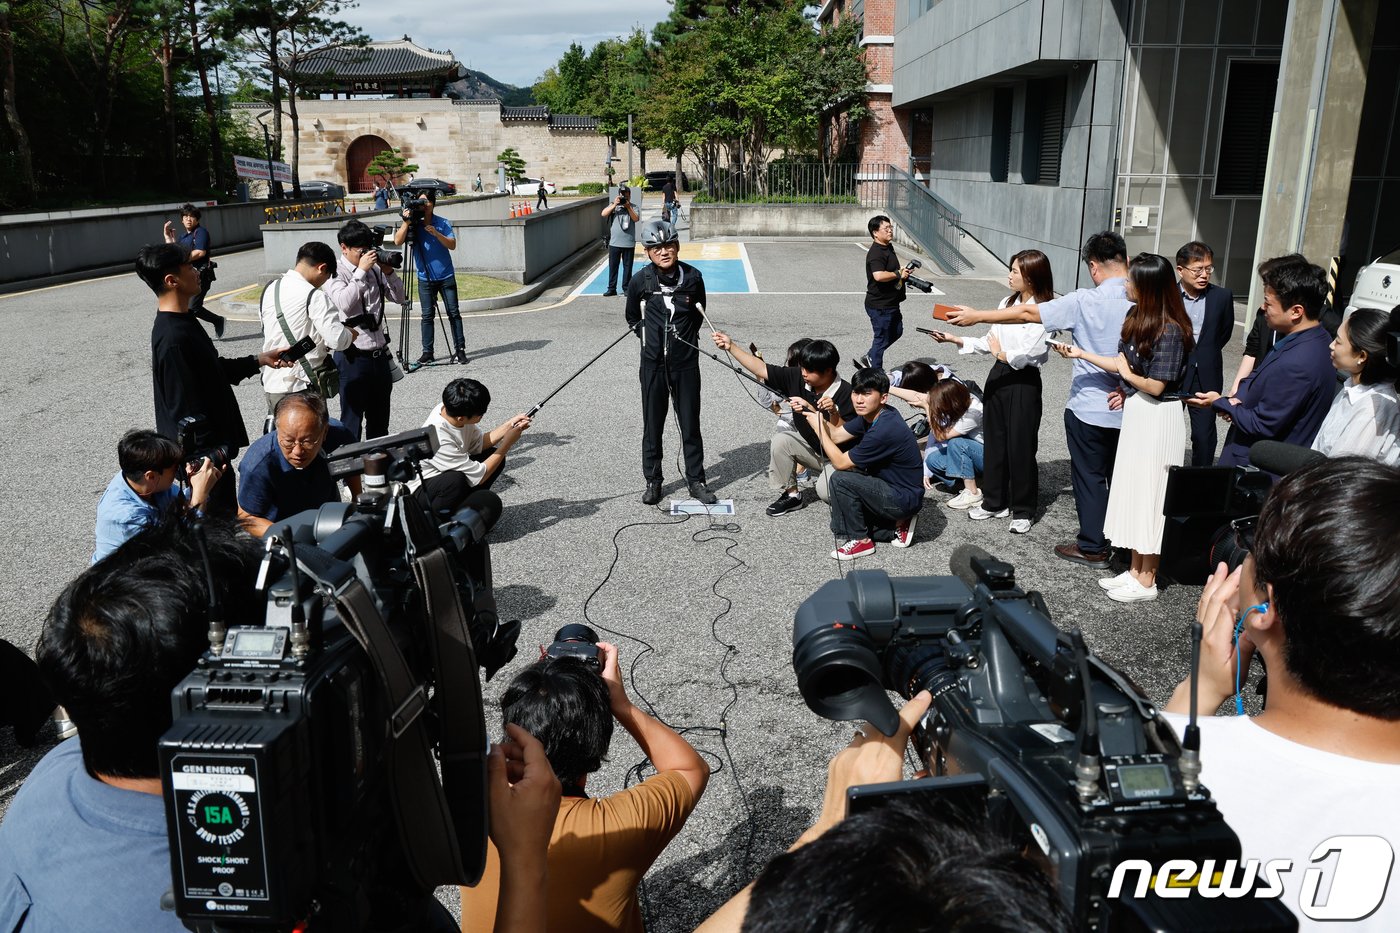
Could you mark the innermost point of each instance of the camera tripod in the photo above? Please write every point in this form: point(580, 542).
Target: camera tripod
point(410, 282)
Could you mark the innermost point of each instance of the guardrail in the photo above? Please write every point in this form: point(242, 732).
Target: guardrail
point(303, 210)
point(932, 222)
point(792, 183)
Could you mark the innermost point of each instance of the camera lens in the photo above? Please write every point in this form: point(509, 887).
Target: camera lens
point(911, 668)
point(576, 632)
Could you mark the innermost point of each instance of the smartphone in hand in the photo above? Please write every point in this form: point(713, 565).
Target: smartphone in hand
point(1058, 343)
point(299, 349)
point(931, 333)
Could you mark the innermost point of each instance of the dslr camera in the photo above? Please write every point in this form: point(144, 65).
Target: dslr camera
point(1029, 733)
point(196, 446)
point(922, 285)
point(301, 773)
point(390, 257)
point(579, 642)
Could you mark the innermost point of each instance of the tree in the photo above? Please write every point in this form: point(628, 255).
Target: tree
point(513, 164)
point(389, 166)
point(23, 151)
point(564, 88)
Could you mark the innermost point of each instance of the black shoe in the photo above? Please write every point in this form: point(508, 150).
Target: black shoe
point(460, 357)
point(610, 294)
point(861, 362)
point(786, 503)
point(219, 322)
point(701, 493)
point(652, 495)
point(427, 357)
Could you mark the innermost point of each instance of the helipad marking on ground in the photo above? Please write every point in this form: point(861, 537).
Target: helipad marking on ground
point(725, 267)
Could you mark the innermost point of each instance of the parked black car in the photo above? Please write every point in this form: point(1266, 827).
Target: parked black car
point(657, 180)
point(322, 189)
point(445, 189)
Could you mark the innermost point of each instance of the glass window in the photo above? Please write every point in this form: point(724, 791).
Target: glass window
point(1247, 120)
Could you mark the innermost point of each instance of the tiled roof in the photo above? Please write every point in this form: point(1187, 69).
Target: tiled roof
point(525, 113)
point(392, 59)
point(570, 121)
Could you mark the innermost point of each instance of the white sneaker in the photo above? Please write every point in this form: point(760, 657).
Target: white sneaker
point(1133, 592)
point(979, 514)
point(965, 500)
point(1020, 526)
point(1112, 583)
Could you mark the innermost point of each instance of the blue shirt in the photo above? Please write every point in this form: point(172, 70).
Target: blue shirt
point(1095, 315)
point(121, 513)
point(271, 488)
point(77, 854)
point(888, 451)
point(434, 260)
point(198, 238)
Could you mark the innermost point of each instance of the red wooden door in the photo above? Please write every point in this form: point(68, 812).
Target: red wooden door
point(361, 152)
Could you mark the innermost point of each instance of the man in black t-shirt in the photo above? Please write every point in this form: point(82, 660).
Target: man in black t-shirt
point(884, 290)
point(815, 381)
point(877, 489)
point(188, 376)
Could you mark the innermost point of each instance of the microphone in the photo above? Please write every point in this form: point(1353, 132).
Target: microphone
point(960, 563)
point(1279, 458)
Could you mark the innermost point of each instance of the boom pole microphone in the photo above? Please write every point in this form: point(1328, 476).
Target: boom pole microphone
point(579, 372)
point(739, 370)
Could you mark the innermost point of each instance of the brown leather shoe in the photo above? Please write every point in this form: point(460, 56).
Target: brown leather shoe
point(1072, 553)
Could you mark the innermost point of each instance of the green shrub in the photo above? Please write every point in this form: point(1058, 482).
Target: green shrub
point(592, 187)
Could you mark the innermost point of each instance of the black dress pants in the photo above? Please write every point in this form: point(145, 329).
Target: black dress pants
point(659, 384)
point(1010, 439)
point(1202, 435)
point(365, 388)
point(1092, 452)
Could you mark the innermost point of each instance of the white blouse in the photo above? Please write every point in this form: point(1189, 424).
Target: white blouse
point(1023, 344)
point(1364, 420)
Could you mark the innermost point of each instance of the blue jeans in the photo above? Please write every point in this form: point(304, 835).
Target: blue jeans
point(887, 326)
point(427, 299)
point(954, 459)
point(624, 255)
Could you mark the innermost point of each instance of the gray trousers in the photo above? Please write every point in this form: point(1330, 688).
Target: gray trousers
point(786, 451)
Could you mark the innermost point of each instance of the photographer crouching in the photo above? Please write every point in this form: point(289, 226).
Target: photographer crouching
point(84, 845)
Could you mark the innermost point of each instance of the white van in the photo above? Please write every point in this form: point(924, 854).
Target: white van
point(1377, 284)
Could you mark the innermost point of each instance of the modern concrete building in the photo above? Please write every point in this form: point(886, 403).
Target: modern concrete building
point(1258, 126)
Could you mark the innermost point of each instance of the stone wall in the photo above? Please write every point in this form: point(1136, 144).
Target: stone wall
point(451, 140)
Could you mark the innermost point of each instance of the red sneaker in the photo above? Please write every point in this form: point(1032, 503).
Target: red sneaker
point(904, 531)
point(853, 549)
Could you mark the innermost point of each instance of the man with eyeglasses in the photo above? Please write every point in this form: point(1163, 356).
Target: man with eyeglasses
point(665, 308)
point(1211, 309)
point(363, 282)
point(284, 471)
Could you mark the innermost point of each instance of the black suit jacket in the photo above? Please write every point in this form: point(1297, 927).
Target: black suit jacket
point(1204, 369)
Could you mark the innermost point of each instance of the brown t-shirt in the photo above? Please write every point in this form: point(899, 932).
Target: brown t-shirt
point(598, 854)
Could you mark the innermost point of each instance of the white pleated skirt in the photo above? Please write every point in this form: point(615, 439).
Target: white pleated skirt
point(1153, 438)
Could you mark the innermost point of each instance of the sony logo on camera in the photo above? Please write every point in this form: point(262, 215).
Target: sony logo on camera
point(1358, 878)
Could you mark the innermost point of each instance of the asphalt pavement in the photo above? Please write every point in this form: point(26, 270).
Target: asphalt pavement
point(701, 608)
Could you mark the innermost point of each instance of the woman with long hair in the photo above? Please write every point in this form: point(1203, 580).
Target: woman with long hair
point(1151, 361)
point(955, 437)
point(1364, 418)
point(1011, 481)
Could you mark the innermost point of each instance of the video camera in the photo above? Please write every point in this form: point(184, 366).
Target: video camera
point(391, 257)
point(300, 774)
point(1028, 730)
point(922, 285)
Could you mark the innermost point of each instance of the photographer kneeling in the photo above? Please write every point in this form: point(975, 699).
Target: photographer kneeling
point(1316, 598)
point(286, 471)
point(601, 847)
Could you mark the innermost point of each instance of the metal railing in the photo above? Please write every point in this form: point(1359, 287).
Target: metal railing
point(932, 222)
point(792, 183)
point(303, 210)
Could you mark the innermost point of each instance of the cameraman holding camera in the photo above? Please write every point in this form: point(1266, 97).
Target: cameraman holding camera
point(196, 240)
point(884, 292)
point(295, 307)
point(601, 848)
point(622, 238)
point(189, 377)
point(363, 282)
point(1316, 599)
point(144, 488)
point(432, 244)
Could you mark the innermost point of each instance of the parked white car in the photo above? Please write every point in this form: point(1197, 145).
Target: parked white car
point(1377, 284)
point(531, 187)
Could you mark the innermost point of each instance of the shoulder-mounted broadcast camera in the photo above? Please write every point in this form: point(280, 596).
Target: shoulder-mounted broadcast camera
point(301, 774)
point(922, 285)
point(1028, 731)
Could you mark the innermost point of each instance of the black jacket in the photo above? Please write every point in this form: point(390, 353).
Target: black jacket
point(190, 378)
point(1204, 369)
point(647, 296)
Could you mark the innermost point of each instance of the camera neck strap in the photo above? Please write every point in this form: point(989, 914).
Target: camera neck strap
point(417, 798)
point(287, 331)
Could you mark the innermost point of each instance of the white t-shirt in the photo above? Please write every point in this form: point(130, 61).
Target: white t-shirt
point(455, 448)
point(1364, 420)
point(1284, 799)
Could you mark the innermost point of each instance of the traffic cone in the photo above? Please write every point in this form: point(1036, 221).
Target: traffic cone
point(528, 209)
point(353, 208)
